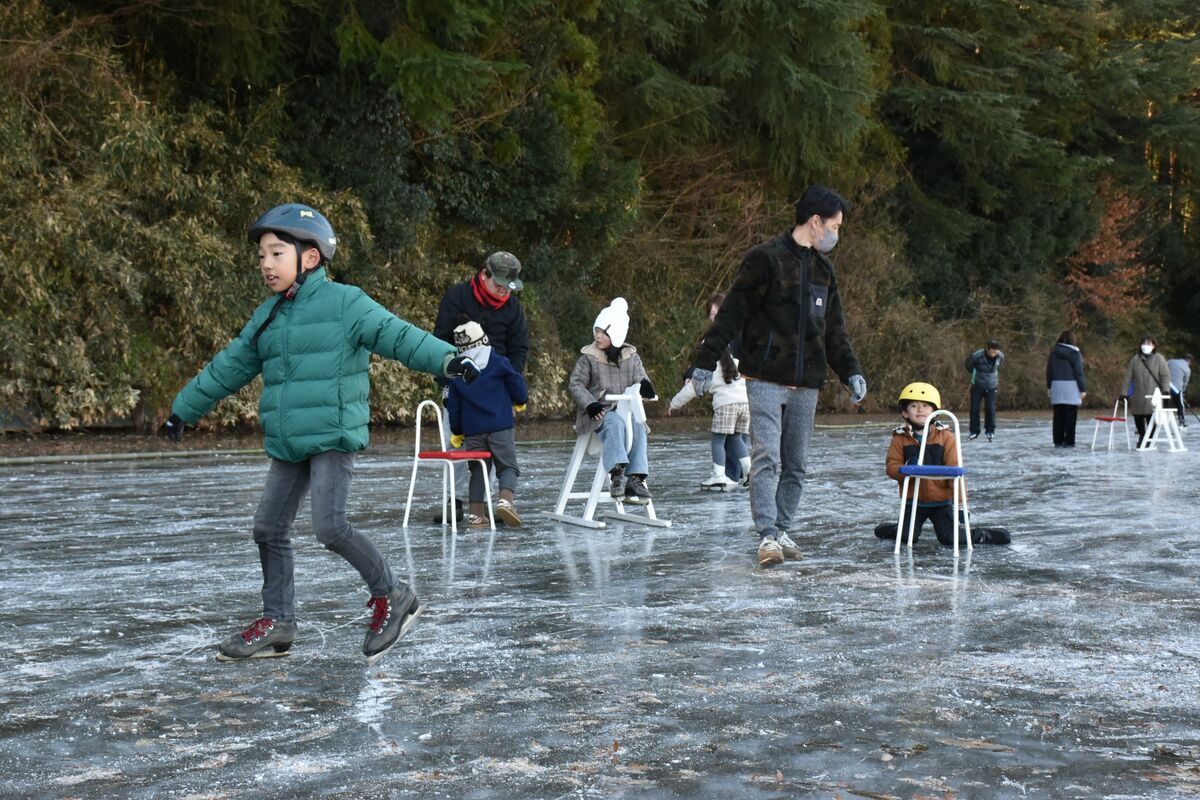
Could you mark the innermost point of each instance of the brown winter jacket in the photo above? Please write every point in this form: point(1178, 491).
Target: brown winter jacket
point(785, 306)
point(942, 450)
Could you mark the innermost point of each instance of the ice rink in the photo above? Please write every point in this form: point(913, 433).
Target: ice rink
point(559, 662)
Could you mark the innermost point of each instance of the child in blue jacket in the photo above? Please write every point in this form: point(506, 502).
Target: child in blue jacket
point(481, 418)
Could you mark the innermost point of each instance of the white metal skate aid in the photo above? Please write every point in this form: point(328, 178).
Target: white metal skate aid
point(919, 471)
point(1164, 426)
point(1121, 419)
point(629, 407)
point(447, 458)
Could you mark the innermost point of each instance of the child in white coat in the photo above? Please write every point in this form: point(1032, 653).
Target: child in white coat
point(731, 420)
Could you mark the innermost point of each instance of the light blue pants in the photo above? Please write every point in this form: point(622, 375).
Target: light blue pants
point(781, 423)
point(617, 451)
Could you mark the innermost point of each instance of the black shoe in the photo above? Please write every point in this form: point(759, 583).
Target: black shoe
point(636, 491)
point(616, 489)
point(994, 536)
point(458, 512)
point(990, 435)
point(392, 615)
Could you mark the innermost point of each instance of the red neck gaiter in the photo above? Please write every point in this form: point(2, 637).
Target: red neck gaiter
point(482, 294)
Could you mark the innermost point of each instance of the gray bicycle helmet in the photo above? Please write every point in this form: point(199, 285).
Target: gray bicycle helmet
point(303, 223)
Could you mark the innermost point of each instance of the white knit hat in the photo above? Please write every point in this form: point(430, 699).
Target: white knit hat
point(469, 335)
point(614, 320)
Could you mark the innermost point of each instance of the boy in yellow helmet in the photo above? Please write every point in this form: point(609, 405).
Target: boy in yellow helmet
point(917, 402)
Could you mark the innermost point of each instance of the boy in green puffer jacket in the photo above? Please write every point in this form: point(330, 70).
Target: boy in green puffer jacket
point(312, 343)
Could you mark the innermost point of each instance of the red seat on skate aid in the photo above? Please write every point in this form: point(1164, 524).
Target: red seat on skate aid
point(455, 455)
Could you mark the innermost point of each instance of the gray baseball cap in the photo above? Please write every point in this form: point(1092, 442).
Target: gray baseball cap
point(505, 267)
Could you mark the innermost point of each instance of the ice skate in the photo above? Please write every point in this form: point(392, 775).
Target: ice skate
point(636, 491)
point(392, 615)
point(718, 481)
point(265, 638)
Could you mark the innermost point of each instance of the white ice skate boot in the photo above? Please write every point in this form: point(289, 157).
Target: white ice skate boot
point(745, 464)
point(718, 482)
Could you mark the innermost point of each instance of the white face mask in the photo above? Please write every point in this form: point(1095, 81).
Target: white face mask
point(1147, 349)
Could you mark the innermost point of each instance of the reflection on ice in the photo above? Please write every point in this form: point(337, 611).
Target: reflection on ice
point(556, 661)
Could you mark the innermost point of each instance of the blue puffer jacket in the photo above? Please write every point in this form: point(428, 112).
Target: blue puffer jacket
point(313, 358)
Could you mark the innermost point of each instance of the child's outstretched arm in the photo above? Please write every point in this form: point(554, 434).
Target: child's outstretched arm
point(226, 374)
point(683, 396)
point(374, 327)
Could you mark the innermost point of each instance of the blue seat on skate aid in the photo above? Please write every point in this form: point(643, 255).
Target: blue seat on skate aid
point(629, 407)
point(934, 472)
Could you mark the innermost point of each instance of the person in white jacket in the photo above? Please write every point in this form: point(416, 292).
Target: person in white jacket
point(731, 421)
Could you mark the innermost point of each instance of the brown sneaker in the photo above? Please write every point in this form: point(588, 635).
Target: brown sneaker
point(508, 513)
point(769, 552)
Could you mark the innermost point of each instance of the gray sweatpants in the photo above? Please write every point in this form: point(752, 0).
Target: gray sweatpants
point(781, 423)
point(503, 447)
point(329, 476)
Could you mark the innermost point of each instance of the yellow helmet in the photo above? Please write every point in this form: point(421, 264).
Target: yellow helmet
point(924, 392)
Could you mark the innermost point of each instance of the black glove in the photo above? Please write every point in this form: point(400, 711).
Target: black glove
point(647, 390)
point(461, 366)
point(173, 428)
point(595, 409)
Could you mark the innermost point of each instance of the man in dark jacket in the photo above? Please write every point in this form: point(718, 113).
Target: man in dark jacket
point(984, 366)
point(785, 306)
point(488, 298)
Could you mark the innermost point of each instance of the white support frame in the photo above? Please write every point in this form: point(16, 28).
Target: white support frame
point(629, 407)
point(1113, 422)
point(448, 512)
point(1163, 426)
point(958, 489)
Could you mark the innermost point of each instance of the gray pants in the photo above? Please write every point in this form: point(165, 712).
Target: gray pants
point(329, 476)
point(503, 447)
point(781, 423)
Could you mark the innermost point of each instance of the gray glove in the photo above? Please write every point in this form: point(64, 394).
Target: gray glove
point(701, 380)
point(858, 388)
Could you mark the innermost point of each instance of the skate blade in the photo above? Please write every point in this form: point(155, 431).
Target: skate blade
point(409, 621)
point(266, 652)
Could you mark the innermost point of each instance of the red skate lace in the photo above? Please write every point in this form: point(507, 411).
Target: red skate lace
point(257, 628)
point(379, 605)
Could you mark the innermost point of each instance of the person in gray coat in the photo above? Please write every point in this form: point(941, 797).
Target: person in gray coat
point(1181, 373)
point(984, 366)
point(610, 365)
point(1067, 387)
point(1146, 372)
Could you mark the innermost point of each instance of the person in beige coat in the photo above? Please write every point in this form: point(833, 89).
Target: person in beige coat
point(1146, 372)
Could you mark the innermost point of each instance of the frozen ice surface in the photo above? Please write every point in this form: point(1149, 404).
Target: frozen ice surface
point(556, 661)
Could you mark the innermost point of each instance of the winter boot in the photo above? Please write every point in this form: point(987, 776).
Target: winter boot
point(718, 482)
point(392, 615)
point(636, 491)
point(616, 489)
point(790, 550)
point(745, 463)
point(265, 638)
point(769, 552)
